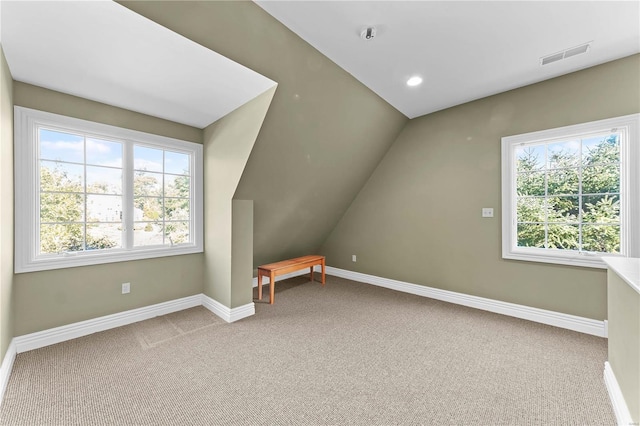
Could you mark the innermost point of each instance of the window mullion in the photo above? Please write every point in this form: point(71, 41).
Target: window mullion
point(546, 196)
point(84, 187)
point(580, 197)
point(127, 194)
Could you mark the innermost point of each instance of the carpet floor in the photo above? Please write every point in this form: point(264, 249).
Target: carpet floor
point(346, 353)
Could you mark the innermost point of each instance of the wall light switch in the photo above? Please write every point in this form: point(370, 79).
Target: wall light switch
point(487, 212)
point(126, 288)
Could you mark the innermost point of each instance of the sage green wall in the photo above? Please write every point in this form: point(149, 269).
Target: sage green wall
point(227, 145)
point(418, 218)
point(624, 340)
point(6, 206)
point(49, 299)
point(322, 138)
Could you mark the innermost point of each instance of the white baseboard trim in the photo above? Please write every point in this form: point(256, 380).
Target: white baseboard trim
point(557, 319)
point(55, 335)
point(623, 417)
point(6, 368)
point(228, 314)
point(60, 334)
point(316, 268)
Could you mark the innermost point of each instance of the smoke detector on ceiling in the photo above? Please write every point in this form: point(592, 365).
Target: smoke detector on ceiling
point(368, 33)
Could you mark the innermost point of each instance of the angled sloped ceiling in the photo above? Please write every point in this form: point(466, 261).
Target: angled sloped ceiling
point(323, 135)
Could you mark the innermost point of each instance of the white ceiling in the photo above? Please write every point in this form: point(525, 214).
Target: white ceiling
point(105, 52)
point(464, 50)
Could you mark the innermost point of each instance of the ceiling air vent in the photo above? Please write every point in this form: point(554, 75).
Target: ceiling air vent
point(578, 50)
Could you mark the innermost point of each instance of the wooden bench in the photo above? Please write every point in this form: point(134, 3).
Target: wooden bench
point(272, 270)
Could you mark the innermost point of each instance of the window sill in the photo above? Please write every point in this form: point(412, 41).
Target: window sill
point(88, 259)
point(585, 261)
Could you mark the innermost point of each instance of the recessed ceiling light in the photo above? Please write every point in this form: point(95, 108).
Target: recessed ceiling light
point(414, 81)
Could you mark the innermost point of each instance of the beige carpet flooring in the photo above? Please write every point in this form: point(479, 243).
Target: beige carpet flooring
point(348, 353)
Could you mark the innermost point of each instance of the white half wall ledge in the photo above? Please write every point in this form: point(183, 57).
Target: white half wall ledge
point(556, 319)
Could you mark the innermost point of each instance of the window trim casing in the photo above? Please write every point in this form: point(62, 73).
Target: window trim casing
point(629, 125)
point(26, 123)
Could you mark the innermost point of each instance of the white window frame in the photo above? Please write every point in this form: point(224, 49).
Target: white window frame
point(628, 126)
point(27, 192)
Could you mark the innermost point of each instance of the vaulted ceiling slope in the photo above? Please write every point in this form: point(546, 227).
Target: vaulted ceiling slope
point(323, 135)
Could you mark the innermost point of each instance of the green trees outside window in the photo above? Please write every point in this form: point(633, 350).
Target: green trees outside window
point(568, 195)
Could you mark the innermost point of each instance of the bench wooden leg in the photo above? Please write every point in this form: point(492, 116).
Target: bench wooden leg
point(272, 287)
point(311, 273)
point(259, 284)
point(322, 264)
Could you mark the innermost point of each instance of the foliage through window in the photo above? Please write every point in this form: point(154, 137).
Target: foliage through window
point(91, 193)
point(568, 193)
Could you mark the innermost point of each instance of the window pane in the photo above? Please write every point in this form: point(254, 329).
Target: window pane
point(148, 208)
point(601, 179)
point(530, 235)
point(61, 146)
point(146, 184)
point(147, 234)
point(61, 177)
point(101, 152)
point(530, 183)
point(176, 208)
point(531, 209)
point(104, 180)
point(104, 208)
point(601, 209)
point(147, 158)
point(563, 181)
point(61, 207)
point(176, 163)
point(177, 186)
point(563, 154)
point(177, 232)
point(601, 238)
point(530, 158)
point(563, 236)
point(601, 149)
point(563, 209)
point(61, 238)
point(104, 236)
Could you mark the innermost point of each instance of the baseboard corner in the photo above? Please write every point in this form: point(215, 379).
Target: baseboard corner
point(226, 313)
point(6, 368)
point(620, 409)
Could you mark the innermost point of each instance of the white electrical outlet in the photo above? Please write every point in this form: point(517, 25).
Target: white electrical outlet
point(353, 257)
point(126, 288)
point(487, 212)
